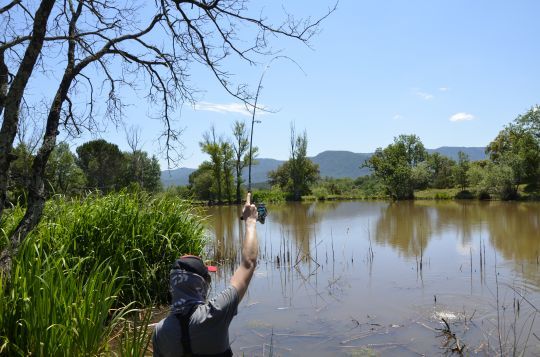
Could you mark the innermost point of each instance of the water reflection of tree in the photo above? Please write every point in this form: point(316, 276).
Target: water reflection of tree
point(514, 230)
point(299, 221)
point(406, 227)
point(226, 224)
point(462, 218)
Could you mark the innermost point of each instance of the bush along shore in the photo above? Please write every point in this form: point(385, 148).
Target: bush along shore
point(81, 278)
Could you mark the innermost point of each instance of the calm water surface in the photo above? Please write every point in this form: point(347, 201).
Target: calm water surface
point(377, 278)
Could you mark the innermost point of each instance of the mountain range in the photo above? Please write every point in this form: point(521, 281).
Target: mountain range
point(336, 164)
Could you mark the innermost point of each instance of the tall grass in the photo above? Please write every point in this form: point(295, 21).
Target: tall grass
point(85, 264)
point(46, 309)
point(139, 235)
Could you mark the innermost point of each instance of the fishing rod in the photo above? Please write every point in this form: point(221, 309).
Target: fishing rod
point(261, 207)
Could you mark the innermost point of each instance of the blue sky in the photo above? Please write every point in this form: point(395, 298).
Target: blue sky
point(452, 72)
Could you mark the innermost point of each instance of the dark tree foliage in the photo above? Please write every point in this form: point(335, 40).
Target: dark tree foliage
point(441, 170)
point(101, 163)
point(141, 170)
point(63, 175)
point(460, 171)
point(201, 182)
point(20, 174)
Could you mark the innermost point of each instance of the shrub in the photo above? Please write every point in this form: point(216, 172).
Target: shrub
point(275, 195)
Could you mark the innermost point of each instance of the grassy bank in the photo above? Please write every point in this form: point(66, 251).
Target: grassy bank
point(86, 265)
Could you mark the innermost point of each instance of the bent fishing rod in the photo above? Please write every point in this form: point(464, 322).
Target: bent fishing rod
point(261, 207)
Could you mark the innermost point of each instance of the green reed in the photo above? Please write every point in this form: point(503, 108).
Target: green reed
point(88, 262)
point(47, 309)
point(139, 236)
point(136, 334)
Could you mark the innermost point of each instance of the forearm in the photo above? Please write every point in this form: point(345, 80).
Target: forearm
point(250, 249)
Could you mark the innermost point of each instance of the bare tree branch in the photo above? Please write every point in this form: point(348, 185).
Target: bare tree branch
point(9, 6)
point(102, 41)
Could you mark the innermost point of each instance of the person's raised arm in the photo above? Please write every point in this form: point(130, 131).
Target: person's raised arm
point(242, 276)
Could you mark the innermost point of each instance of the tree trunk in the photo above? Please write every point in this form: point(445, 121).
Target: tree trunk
point(238, 198)
point(36, 187)
point(14, 96)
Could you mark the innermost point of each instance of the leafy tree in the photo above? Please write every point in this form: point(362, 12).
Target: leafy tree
point(227, 154)
point(201, 182)
point(517, 148)
point(460, 171)
point(393, 165)
point(440, 168)
point(212, 146)
point(476, 178)
point(241, 154)
point(414, 149)
point(487, 178)
point(421, 176)
point(102, 163)
point(501, 180)
point(142, 170)
point(297, 174)
point(530, 122)
point(62, 173)
point(20, 173)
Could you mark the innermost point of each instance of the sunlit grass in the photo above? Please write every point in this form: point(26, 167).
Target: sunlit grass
point(48, 309)
point(87, 262)
point(140, 235)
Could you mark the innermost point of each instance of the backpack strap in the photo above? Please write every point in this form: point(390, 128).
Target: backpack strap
point(186, 339)
point(184, 324)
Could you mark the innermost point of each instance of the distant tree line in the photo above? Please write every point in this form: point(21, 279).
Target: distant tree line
point(514, 161)
point(398, 170)
point(96, 165)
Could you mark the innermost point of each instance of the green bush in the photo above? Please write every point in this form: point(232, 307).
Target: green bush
point(464, 195)
point(275, 195)
point(321, 193)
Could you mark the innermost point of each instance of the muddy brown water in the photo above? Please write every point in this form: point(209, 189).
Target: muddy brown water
point(370, 278)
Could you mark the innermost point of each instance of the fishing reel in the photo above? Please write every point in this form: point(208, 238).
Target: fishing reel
point(262, 212)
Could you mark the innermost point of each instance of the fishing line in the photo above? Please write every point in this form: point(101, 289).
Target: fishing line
point(261, 207)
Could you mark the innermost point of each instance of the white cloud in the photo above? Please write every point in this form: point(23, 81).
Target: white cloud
point(461, 117)
point(398, 117)
point(443, 89)
point(223, 108)
point(424, 95)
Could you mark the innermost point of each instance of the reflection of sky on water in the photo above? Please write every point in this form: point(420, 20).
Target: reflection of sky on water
point(316, 274)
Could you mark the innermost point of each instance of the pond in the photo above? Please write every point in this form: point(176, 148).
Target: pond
point(378, 278)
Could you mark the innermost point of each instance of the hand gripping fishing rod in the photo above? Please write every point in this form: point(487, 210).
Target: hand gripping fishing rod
point(261, 207)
